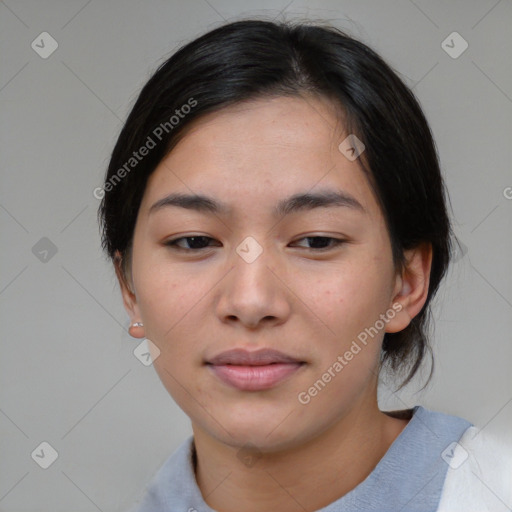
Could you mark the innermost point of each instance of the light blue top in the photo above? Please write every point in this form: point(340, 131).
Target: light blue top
point(408, 478)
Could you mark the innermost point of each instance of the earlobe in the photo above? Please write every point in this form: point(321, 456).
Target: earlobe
point(412, 285)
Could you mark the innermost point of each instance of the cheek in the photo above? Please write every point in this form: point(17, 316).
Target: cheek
point(168, 298)
point(349, 305)
point(348, 298)
point(164, 290)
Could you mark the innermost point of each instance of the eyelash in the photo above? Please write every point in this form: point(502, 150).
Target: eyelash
point(335, 242)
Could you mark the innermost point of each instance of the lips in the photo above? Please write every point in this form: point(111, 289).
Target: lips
point(258, 358)
point(253, 371)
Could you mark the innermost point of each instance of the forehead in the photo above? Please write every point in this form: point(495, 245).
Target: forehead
point(258, 152)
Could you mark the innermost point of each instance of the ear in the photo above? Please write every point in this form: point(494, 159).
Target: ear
point(129, 298)
point(411, 287)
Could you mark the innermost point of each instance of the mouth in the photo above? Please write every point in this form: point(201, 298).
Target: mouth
point(254, 371)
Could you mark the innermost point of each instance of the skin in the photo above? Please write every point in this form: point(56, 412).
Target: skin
point(310, 305)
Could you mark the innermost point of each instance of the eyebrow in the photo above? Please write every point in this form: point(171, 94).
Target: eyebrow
point(295, 203)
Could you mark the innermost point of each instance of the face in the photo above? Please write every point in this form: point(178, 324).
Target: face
point(312, 280)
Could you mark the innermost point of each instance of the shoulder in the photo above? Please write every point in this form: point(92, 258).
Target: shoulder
point(479, 476)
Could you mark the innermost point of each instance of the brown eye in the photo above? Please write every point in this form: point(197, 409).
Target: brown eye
point(195, 243)
point(322, 243)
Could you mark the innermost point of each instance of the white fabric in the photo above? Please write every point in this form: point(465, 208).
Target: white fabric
point(479, 478)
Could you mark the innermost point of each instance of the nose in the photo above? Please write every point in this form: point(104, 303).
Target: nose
point(254, 293)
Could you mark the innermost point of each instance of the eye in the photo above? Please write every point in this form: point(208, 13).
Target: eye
point(196, 243)
point(323, 242)
point(200, 242)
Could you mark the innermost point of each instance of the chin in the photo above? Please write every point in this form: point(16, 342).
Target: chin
point(262, 431)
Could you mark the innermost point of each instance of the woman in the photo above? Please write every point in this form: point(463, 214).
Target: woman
point(276, 215)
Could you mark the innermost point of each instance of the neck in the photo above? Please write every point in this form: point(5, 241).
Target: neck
point(306, 476)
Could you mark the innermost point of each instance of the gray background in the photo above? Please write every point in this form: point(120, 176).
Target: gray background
point(68, 373)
